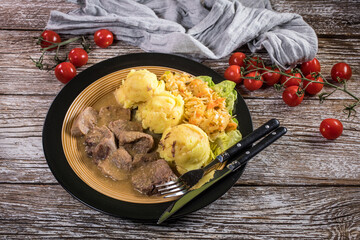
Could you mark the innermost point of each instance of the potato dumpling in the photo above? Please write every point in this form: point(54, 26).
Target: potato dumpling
point(186, 146)
point(163, 110)
point(139, 86)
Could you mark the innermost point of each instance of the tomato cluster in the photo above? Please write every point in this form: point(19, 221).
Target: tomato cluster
point(78, 57)
point(253, 73)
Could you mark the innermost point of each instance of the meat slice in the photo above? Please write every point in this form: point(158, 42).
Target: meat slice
point(144, 158)
point(100, 143)
point(108, 168)
point(113, 113)
point(86, 120)
point(122, 159)
point(135, 142)
point(142, 143)
point(145, 177)
point(130, 136)
point(124, 125)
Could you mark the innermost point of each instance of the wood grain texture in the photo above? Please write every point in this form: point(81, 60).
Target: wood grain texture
point(25, 14)
point(302, 187)
point(302, 157)
point(332, 17)
point(16, 61)
point(243, 213)
point(30, 14)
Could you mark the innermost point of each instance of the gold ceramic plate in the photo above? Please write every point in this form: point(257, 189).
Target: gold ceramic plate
point(85, 90)
point(74, 152)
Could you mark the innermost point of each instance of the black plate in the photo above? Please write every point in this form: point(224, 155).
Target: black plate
point(80, 190)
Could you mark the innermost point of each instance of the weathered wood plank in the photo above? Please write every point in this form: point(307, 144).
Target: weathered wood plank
point(326, 17)
point(333, 17)
point(243, 213)
point(301, 157)
point(276, 196)
point(30, 14)
point(18, 75)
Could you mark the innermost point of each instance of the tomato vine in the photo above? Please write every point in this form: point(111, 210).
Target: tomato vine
point(257, 64)
point(40, 62)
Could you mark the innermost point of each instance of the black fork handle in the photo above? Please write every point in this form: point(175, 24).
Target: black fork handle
point(245, 142)
point(264, 143)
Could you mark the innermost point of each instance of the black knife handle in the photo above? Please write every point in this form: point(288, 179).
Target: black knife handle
point(267, 141)
point(244, 143)
point(248, 140)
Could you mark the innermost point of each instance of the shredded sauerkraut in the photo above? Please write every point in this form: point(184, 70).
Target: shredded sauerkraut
point(203, 106)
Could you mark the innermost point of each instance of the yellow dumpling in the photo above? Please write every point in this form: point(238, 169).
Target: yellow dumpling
point(185, 145)
point(139, 86)
point(163, 110)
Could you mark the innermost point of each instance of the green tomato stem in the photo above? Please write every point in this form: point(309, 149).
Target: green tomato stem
point(58, 45)
point(344, 89)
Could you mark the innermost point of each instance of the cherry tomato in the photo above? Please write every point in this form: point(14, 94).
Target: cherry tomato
point(51, 37)
point(271, 78)
point(289, 80)
point(253, 84)
point(331, 128)
point(341, 71)
point(103, 38)
point(254, 61)
point(311, 87)
point(237, 58)
point(65, 71)
point(290, 97)
point(233, 73)
point(310, 67)
point(78, 57)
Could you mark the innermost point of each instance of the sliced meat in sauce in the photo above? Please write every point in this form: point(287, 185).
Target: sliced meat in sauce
point(131, 158)
point(123, 125)
point(100, 143)
point(144, 158)
point(122, 159)
point(142, 146)
point(86, 120)
point(145, 177)
point(113, 113)
point(135, 142)
point(108, 168)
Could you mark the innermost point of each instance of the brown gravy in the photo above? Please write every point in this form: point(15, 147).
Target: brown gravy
point(124, 186)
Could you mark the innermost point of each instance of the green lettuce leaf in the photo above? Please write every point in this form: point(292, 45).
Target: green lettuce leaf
point(226, 89)
point(235, 120)
point(224, 141)
point(207, 79)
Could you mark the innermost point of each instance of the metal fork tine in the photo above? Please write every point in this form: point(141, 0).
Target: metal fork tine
point(170, 187)
point(167, 183)
point(173, 190)
point(177, 194)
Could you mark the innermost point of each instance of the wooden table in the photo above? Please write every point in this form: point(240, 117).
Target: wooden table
point(304, 186)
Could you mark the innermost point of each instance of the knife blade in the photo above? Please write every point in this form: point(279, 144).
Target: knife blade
point(174, 207)
point(220, 174)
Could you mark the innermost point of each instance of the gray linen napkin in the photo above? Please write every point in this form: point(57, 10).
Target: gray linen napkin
point(200, 29)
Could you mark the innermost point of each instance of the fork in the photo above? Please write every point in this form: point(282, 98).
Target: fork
point(186, 181)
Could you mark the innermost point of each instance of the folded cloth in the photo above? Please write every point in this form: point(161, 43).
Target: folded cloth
point(197, 28)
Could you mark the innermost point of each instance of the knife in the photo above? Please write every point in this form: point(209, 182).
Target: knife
point(220, 174)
